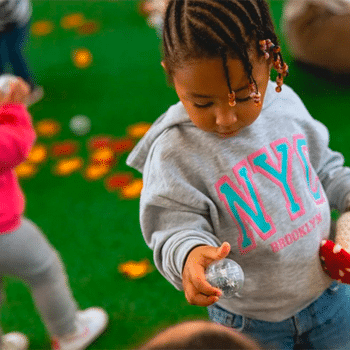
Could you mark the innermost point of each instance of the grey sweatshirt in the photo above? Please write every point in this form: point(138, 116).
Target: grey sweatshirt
point(267, 191)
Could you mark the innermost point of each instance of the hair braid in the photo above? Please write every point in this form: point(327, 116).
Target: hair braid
point(208, 28)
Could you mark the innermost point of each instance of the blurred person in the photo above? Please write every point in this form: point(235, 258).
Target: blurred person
point(15, 18)
point(199, 335)
point(318, 34)
point(25, 252)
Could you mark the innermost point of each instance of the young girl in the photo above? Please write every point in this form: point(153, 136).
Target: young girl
point(239, 169)
point(25, 253)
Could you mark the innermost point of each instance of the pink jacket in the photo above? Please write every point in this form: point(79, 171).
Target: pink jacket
point(17, 136)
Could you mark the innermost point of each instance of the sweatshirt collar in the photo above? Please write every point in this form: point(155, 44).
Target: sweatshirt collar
point(175, 115)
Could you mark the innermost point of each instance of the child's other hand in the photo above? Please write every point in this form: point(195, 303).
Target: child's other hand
point(18, 92)
point(342, 235)
point(197, 290)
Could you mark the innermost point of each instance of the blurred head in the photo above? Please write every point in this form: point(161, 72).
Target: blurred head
point(213, 53)
point(200, 335)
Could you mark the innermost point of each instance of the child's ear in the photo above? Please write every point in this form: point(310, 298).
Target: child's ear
point(270, 62)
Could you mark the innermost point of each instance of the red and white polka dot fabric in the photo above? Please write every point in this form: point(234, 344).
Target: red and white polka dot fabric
point(335, 261)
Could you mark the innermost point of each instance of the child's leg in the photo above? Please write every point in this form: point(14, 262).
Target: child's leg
point(28, 255)
point(4, 55)
point(53, 298)
point(16, 39)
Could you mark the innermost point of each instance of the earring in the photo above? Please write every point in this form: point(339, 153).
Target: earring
point(232, 99)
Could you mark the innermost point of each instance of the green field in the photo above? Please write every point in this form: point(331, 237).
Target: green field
point(93, 229)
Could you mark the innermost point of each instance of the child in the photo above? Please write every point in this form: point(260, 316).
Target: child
point(25, 253)
point(199, 335)
point(238, 170)
point(318, 34)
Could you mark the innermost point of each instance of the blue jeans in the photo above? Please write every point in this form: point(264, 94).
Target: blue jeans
point(325, 324)
point(12, 43)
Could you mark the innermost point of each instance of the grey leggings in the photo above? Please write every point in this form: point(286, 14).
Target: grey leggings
point(26, 254)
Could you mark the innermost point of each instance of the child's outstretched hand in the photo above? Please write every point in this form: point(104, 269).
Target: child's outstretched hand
point(17, 91)
point(197, 290)
point(335, 257)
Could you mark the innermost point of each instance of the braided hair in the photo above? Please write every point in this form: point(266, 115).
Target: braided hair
point(196, 29)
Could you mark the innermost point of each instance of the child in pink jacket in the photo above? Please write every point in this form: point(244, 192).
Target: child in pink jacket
point(25, 253)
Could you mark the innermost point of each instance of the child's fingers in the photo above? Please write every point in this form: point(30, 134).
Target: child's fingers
point(203, 286)
point(195, 297)
point(197, 289)
point(224, 250)
point(216, 253)
point(343, 231)
point(204, 300)
point(197, 279)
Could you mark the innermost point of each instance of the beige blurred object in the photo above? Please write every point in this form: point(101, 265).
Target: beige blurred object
point(318, 33)
point(35, 96)
point(342, 236)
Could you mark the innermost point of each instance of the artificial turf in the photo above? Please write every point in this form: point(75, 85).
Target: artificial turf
point(93, 229)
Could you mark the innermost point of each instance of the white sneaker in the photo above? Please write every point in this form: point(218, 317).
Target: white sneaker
point(90, 324)
point(14, 341)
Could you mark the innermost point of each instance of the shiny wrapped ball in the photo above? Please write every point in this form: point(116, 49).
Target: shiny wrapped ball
point(226, 275)
point(80, 125)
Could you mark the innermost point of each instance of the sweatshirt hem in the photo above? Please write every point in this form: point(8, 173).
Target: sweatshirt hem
point(279, 318)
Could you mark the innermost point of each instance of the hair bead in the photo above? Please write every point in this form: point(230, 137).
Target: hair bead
point(255, 94)
point(232, 99)
point(276, 49)
point(264, 48)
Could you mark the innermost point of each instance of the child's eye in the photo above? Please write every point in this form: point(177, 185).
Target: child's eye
point(203, 106)
point(243, 99)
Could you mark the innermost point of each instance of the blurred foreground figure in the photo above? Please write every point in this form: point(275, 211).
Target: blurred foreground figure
point(200, 335)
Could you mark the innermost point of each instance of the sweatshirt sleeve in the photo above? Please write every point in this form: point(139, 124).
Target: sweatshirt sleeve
point(174, 214)
point(329, 164)
point(17, 135)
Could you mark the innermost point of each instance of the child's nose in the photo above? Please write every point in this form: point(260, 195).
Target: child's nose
point(225, 117)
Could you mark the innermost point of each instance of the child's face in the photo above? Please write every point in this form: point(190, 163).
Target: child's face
point(202, 88)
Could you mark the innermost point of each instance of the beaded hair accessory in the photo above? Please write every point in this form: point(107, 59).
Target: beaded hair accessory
point(232, 95)
point(255, 94)
point(232, 99)
point(280, 66)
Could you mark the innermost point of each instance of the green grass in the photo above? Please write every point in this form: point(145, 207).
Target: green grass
point(94, 230)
